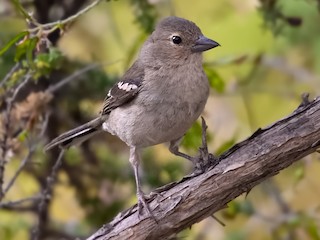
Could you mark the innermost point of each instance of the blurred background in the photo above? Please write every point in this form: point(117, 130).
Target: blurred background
point(269, 56)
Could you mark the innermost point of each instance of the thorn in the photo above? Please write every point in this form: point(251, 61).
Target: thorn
point(218, 220)
point(247, 193)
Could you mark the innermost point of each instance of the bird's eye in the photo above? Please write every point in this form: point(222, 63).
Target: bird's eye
point(176, 39)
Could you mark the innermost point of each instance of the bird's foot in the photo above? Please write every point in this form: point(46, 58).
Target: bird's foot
point(143, 205)
point(203, 162)
point(155, 194)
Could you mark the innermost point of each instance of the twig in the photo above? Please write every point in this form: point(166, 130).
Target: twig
point(9, 74)
point(44, 126)
point(19, 170)
point(46, 196)
point(274, 193)
point(76, 74)
point(286, 213)
point(10, 204)
point(218, 220)
point(71, 77)
point(32, 148)
point(55, 25)
point(7, 122)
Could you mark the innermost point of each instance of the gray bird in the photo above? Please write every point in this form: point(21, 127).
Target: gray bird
point(158, 98)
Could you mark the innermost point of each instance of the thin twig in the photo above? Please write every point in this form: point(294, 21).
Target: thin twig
point(46, 195)
point(76, 74)
point(32, 148)
point(6, 130)
point(275, 194)
point(19, 202)
point(218, 220)
point(55, 25)
point(9, 74)
point(71, 77)
point(44, 126)
point(20, 168)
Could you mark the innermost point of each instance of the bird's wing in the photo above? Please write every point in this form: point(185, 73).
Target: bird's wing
point(125, 90)
point(122, 92)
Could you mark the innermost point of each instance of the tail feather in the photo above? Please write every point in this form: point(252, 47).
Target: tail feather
point(76, 135)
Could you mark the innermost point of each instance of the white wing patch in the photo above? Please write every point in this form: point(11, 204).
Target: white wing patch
point(105, 127)
point(127, 86)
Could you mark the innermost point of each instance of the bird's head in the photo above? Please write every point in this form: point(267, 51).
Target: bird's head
point(174, 41)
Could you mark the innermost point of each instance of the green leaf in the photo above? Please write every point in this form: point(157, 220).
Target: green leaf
point(21, 50)
point(13, 41)
point(46, 62)
point(55, 56)
point(16, 76)
point(26, 49)
point(29, 51)
point(23, 136)
point(215, 80)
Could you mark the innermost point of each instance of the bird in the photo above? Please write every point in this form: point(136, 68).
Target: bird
point(157, 99)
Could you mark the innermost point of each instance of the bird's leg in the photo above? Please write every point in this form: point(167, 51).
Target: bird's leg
point(174, 148)
point(135, 161)
point(201, 162)
point(208, 159)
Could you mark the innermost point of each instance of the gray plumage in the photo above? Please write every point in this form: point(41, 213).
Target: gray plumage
point(158, 98)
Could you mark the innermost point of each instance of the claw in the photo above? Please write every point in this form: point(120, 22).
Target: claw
point(142, 204)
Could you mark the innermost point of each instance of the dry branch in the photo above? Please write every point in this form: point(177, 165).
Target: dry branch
point(261, 156)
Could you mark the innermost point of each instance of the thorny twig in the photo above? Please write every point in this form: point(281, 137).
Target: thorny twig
point(6, 129)
point(46, 195)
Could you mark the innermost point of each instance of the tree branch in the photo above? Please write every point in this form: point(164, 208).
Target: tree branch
point(245, 165)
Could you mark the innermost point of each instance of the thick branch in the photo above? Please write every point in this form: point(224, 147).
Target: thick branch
point(241, 168)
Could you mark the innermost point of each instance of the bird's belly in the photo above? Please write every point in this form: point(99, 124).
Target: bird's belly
point(151, 125)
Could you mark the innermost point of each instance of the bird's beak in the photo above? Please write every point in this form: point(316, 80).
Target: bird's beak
point(204, 44)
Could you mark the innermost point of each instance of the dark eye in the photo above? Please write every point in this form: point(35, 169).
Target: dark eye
point(176, 39)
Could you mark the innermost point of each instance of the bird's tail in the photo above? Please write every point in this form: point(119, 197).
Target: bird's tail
point(76, 135)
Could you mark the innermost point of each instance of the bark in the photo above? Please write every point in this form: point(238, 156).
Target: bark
point(181, 204)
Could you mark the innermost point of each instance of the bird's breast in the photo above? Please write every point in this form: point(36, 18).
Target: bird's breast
point(169, 103)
